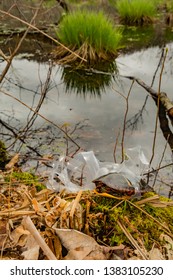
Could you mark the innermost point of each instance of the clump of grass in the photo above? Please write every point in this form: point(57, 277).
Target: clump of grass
point(91, 35)
point(136, 11)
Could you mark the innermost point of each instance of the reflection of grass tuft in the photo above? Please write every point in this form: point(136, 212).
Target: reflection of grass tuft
point(136, 11)
point(87, 81)
point(90, 34)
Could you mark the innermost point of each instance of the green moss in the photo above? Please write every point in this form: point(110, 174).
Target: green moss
point(138, 224)
point(25, 178)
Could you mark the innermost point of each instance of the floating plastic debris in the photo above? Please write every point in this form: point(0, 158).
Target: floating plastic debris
point(80, 172)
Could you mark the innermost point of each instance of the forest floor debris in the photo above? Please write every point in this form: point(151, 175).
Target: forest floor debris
point(83, 225)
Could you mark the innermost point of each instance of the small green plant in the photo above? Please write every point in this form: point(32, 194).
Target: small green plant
point(136, 11)
point(91, 35)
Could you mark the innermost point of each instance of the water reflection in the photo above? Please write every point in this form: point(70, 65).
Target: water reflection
point(91, 82)
point(137, 38)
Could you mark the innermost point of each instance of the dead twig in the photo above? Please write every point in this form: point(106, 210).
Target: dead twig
point(162, 157)
point(40, 115)
point(158, 109)
point(125, 118)
point(30, 25)
point(165, 109)
point(10, 59)
point(165, 228)
point(75, 202)
point(27, 222)
point(115, 146)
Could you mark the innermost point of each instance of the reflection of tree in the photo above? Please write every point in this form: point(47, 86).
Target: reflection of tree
point(138, 117)
point(34, 143)
point(89, 81)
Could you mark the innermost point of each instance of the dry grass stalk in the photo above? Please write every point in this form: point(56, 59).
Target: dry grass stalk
point(75, 202)
point(27, 222)
point(165, 228)
point(132, 240)
point(86, 52)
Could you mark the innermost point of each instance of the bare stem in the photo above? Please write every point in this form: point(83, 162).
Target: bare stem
point(51, 122)
point(125, 118)
point(158, 108)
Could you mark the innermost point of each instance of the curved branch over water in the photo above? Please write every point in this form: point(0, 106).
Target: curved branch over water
point(165, 109)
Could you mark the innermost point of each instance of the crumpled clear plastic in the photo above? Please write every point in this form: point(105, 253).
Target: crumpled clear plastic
point(78, 173)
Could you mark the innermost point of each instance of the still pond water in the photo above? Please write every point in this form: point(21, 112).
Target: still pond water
point(97, 108)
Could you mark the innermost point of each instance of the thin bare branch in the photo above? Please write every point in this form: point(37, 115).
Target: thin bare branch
point(158, 109)
point(51, 122)
point(10, 59)
point(30, 25)
point(125, 119)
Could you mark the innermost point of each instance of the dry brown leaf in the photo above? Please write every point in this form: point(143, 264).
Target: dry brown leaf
point(81, 246)
point(155, 254)
point(12, 162)
point(15, 237)
point(17, 233)
point(32, 249)
point(3, 232)
point(53, 242)
point(57, 247)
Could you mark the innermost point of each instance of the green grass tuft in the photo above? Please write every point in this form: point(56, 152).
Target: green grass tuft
point(136, 11)
point(93, 32)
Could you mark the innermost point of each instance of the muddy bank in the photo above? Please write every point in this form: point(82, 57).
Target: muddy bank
point(49, 13)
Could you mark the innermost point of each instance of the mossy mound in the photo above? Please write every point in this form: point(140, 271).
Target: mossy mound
point(145, 220)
